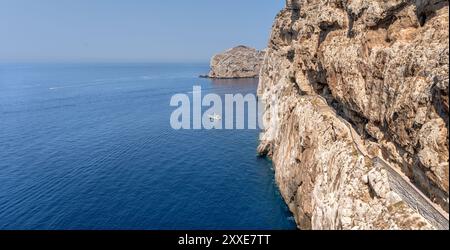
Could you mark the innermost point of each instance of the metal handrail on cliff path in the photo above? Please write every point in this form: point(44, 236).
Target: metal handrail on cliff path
point(401, 184)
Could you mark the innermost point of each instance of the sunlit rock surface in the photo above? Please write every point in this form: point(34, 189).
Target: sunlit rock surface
point(347, 81)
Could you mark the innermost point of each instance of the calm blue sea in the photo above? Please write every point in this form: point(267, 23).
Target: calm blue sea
point(90, 146)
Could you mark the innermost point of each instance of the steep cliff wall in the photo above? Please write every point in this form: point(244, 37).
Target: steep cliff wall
point(346, 81)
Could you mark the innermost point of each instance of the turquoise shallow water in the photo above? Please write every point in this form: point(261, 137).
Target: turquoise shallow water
point(89, 146)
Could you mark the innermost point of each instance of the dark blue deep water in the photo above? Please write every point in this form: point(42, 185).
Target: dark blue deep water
point(90, 146)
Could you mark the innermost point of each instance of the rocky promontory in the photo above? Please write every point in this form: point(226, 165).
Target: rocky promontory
point(356, 95)
point(238, 62)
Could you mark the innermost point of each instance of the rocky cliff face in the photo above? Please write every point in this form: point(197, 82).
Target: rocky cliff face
point(346, 81)
point(239, 62)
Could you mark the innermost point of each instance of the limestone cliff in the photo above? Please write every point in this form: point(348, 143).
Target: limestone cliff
point(239, 62)
point(347, 82)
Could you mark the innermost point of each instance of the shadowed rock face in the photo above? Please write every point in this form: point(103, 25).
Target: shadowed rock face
point(346, 81)
point(239, 62)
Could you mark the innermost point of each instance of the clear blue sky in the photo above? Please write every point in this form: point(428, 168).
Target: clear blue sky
point(130, 30)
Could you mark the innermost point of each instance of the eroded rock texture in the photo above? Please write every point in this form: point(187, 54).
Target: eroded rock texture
point(239, 62)
point(348, 80)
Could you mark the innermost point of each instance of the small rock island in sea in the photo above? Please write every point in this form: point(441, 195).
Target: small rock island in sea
point(238, 62)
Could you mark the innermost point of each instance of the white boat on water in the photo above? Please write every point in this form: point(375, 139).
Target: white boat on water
point(215, 117)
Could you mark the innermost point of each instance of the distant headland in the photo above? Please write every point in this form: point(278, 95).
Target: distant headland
point(238, 62)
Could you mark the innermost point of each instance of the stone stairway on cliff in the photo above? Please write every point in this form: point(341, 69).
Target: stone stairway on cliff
point(398, 181)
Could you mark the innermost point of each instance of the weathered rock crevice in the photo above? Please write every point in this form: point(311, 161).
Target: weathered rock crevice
point(347, 81)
